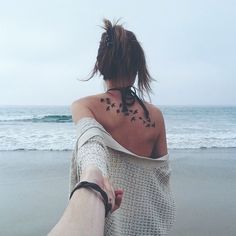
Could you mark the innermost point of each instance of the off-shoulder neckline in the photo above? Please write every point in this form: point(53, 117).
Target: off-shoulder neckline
point(132, 153)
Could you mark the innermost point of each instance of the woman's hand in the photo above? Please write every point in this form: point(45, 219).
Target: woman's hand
point(93, 174)
point(84, 214)
point(114, 196)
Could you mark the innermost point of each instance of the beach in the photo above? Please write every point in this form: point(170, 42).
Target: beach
point(204, 184)
point(34, 191)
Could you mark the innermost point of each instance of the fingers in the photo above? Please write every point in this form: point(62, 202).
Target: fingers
point(93, 174)
point(110, 191)
point(119, 191)
point(118, 199)
point(114, 196)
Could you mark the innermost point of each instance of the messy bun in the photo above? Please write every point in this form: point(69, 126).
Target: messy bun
point(120, 55)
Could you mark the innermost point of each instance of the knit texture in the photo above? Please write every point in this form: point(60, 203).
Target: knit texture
point(148, 207)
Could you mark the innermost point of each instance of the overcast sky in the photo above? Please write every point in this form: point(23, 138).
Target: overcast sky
point(46, 45)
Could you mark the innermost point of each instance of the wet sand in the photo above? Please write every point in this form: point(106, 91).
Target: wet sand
point(34, 191)
point(204, 184)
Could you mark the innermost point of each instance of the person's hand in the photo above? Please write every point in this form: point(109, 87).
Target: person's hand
point(114, 196)
point(93, 174)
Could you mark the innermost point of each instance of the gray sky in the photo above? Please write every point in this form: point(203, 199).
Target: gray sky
point(46, 45)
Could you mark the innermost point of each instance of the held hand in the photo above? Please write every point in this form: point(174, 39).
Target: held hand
point(93, 174)
point(114, 196)
point(118, 199)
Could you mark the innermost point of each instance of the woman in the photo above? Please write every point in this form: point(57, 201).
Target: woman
point(124, 137)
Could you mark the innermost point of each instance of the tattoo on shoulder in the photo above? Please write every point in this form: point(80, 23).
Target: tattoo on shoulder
point(132, 114)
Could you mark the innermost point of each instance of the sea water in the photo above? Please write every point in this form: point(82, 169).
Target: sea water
point(51, 127)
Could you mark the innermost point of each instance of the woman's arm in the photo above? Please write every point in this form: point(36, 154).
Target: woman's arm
point(85, 213)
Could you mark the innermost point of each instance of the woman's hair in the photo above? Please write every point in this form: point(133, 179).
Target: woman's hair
point(120, 55)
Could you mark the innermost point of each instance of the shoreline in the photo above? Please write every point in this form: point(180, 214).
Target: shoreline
point(34, 191)
point(170, 149)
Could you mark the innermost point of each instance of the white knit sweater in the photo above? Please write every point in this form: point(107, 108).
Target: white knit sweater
point(148, 206)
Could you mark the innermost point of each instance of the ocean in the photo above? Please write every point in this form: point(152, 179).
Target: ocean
point(51, 127)
point(34, 183)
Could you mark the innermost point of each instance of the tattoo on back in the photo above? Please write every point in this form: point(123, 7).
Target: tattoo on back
point(132, 114)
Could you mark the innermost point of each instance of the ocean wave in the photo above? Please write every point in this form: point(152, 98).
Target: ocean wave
point(42, 119)
point(68, 149)
point(34, 149)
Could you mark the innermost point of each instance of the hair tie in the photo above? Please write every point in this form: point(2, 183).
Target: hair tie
point(86, 184)
point(109, 37)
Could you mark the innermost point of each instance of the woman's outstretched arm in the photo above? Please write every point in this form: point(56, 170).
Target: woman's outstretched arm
point(85, 213)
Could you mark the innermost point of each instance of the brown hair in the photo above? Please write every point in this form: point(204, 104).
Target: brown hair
point(121, 55)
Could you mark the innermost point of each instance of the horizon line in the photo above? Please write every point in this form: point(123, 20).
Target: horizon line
point(66, 105)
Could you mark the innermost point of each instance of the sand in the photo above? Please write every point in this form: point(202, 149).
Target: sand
point(204, 183)
point(34, 191)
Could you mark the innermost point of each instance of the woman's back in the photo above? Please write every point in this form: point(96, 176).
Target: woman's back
point(142, 136)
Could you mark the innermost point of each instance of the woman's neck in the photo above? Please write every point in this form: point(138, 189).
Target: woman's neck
point(119, 83)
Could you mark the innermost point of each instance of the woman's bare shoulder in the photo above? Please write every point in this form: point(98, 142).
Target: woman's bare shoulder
point(155, 111)
point(160, 147)
point(88, 99)
point(83, 107)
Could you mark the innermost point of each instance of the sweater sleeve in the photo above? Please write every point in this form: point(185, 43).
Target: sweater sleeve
point(93, 152)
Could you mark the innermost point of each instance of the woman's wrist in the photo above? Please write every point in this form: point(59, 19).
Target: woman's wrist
point(88, 192)
point(93, 174)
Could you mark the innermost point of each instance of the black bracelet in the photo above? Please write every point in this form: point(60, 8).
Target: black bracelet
point(85, 184)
